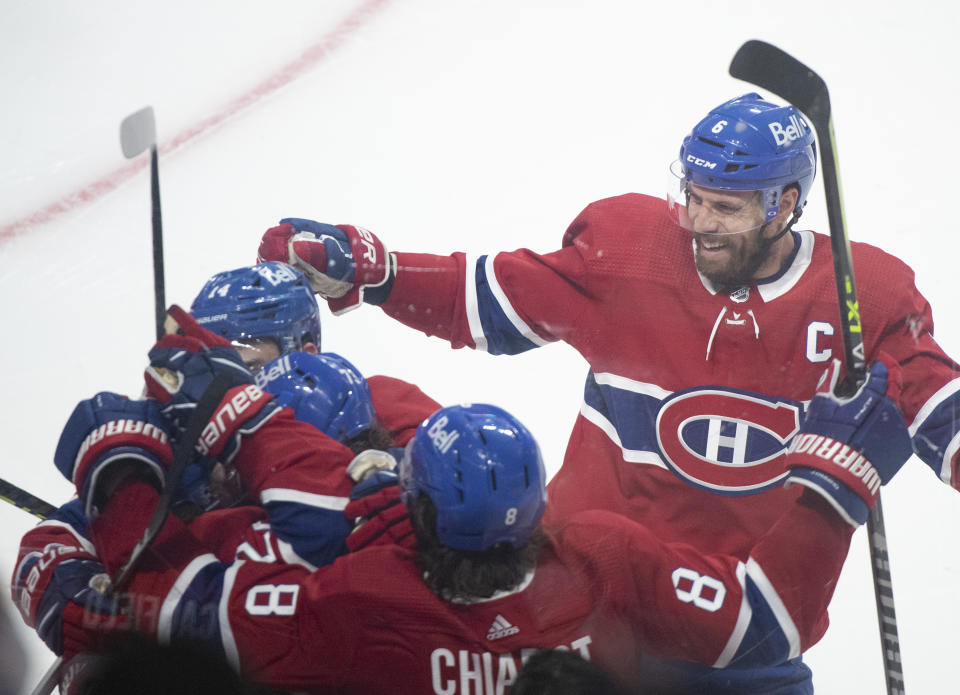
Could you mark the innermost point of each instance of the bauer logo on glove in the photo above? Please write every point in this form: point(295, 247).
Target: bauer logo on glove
point(342, 262)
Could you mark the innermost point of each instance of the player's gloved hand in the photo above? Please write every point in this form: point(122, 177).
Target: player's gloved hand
point(848, 447)
point(346, 265)
point(376, 507)
point(60, 586)
point(183, 363)
point(109, 432)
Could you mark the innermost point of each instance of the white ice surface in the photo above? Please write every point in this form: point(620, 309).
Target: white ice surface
point(445, 125)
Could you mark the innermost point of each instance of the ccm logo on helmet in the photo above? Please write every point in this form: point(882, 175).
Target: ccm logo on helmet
point(696, 161)
point(794, 130)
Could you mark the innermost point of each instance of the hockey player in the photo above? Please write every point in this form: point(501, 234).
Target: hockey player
point(487, 583)
point(268, 312)
point(706, 320)
point(265, 311)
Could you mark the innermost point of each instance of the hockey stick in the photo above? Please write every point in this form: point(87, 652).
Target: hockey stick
point(138, 132)
point(769, 67)
point(19, 497)
point(182, 455)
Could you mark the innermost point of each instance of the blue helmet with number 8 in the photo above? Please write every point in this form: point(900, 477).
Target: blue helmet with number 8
point(749, 144)
point(482, 470)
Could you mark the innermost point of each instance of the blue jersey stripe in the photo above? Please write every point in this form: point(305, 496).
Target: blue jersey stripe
point(936, 434)
point(502, 335)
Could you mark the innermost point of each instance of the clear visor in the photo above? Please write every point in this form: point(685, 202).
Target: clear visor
point(713, 211)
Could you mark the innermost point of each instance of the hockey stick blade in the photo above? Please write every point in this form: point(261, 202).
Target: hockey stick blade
point(770, 68)
point(181, 458)
point(19, 497)
point(138, 132)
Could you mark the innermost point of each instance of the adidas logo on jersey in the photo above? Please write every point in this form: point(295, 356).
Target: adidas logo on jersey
point(501, 628)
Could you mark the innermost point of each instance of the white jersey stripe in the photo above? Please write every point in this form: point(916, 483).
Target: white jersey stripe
point(227, 639)
point(945, 392)
point(775, 603)
point(743, 621)
point(630, 455)
point(472, 307)
point(279, 494)
point(946, 468)
point(622, 382)
point(507, 308)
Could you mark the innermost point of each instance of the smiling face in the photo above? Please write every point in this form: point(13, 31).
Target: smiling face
point(732, 244)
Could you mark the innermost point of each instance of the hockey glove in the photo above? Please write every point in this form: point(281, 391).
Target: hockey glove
point(182, 366)
point(106, 431)
point(60, 586)
point(376, 506)
point(346, 265)
point(848, 447)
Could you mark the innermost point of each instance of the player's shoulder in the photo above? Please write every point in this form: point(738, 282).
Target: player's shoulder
point(874, 259)
point(621, 212)
point(379, 572)
point(593, 527)
point(603, 545)
point(388, 387)
point(867, 258)
point(629, 236)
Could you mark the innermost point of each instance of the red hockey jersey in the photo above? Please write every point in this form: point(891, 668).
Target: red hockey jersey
point(693, 395)
point(603, 586)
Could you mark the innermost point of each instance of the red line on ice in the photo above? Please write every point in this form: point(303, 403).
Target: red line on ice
point(305, 61)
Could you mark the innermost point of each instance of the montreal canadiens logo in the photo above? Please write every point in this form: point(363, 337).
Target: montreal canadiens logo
point(727, 441)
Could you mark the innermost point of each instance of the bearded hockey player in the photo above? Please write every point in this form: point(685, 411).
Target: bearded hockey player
point(707, 321)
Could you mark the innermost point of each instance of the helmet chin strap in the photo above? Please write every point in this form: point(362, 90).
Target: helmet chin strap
point(797, 211)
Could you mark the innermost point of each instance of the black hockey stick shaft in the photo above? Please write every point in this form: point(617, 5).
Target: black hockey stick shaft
point(182, 456)
point(138, 133)
point(19, 497)
point(159, 301)
point(767, 66)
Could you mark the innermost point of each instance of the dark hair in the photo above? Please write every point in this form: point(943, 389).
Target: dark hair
point(461, 574)
point(374, 437)
point(562, 672)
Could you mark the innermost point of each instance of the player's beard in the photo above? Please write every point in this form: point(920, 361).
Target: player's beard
point(746, 252)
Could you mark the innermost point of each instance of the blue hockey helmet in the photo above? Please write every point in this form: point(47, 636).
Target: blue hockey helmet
point(483, 471)
point(748, 144)
point(323, 390)
point(267, 300)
